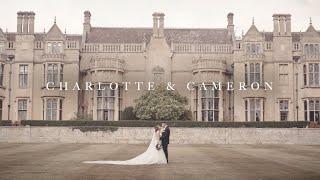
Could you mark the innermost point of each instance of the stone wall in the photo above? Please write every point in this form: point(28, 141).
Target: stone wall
point(140, 135)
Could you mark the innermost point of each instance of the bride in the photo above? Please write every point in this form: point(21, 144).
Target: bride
point(153, 155)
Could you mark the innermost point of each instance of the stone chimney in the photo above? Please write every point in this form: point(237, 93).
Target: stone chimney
point(25, 22)
point(161, 25)
point(281, 25)
point(19, 21)
point(86, 25)
point(230, 26)
point(31, 22)
point(158, 25)
point(155, 24)
point(87, 17)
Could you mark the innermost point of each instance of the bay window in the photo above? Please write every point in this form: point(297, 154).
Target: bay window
point(254, 48)
point(53, 108)
point(105, 103)
point(311, 49)
point(312, 109)
point(209, 104)
point(54, 47)
point(253, 109)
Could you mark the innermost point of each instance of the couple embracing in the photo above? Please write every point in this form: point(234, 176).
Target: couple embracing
point(157, 152)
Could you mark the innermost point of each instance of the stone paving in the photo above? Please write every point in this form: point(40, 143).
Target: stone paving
point(63, 161)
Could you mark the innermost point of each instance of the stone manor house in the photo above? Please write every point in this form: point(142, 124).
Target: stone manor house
point(290, 60)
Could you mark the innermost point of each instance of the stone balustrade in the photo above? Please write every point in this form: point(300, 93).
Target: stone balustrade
point(59, 56)
point(208, 65)
point(311, 57)
point(107, 64)
point(254, 56)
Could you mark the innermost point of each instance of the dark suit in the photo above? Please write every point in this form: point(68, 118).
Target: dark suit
point(165, 140)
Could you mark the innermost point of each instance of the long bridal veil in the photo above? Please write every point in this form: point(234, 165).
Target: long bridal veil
point(150, 156)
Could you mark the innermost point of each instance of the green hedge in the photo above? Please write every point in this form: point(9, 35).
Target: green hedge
point(139, 123)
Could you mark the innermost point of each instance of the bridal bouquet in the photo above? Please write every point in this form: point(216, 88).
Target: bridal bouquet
point(158, 146)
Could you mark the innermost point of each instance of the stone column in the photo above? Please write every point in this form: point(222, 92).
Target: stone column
point(199, 105)
point(94, 105)
point(221, 105)
point(116, 105)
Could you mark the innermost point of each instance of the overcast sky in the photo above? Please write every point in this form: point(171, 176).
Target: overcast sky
point(179, 13)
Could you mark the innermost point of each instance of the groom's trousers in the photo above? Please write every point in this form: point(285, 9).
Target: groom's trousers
point(165, 150)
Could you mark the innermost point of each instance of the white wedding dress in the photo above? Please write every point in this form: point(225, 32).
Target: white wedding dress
point(150, 156)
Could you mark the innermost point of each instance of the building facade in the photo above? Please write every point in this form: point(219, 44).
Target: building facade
point(32, 64)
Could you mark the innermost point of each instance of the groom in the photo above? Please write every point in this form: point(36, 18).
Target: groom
point(165, 139)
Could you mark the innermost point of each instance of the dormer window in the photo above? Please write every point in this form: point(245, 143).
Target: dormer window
point(54, 47)
point(253, 48)
point(1, 47)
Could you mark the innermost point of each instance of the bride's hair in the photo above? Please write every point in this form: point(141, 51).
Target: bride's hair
point(156, 128)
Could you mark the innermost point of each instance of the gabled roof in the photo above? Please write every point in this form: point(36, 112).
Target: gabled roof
point(311, 34)
point(253, 34)
point(140, 35)
point(311, 29)
point(55, 33)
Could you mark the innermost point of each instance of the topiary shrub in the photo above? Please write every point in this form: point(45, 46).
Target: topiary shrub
point(160, 104)
point(128, 114)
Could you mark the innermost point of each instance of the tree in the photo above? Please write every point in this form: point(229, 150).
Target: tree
point(160, 104)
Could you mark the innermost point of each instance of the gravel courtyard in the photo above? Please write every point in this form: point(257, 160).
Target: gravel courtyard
point(63, 161)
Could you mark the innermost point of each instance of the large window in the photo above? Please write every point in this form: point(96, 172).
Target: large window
point(209, 104)
point(22, 109)
point(311, 49)
point(284, 109)
point(1, 74)
point(54, 73)
point(254, 109)
point(312, 109)
point(253, 48)
point(312, 74)
point(53, 109)
point(54, 47)
point(253, 73)
point(23, 76)
point(105, 103)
